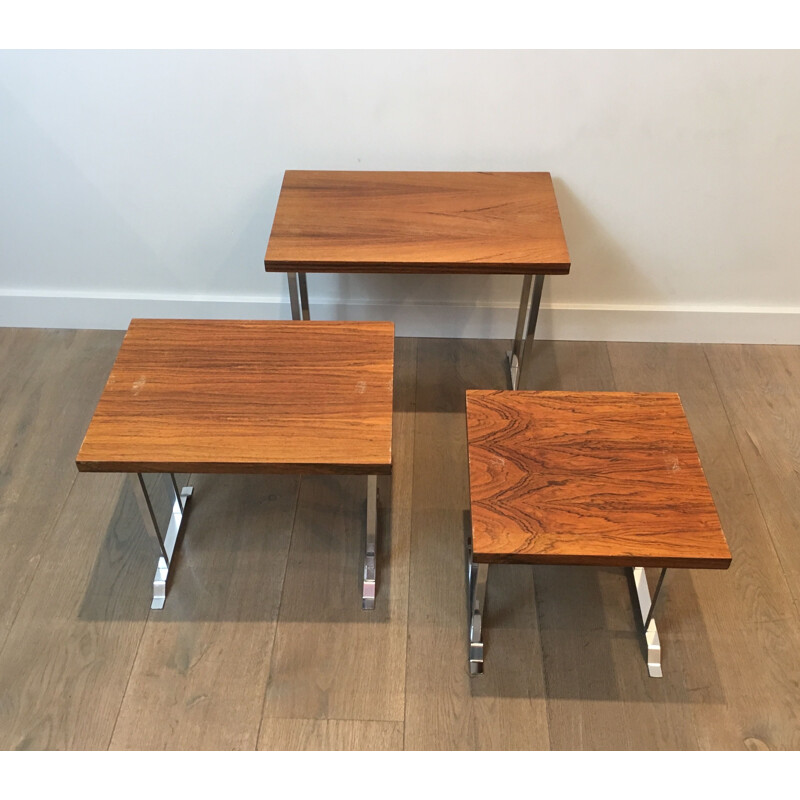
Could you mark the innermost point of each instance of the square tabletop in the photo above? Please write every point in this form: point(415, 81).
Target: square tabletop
point(246, 397)
point(588, 478)
point(434, 222)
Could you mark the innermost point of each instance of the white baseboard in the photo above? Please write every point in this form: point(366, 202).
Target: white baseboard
point(36, 309)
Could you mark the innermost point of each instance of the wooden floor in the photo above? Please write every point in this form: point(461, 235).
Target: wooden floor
point(262, 643)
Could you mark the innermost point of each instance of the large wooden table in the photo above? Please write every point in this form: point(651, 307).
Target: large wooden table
point(484, 223)
point(215, 396)
point(586, 478)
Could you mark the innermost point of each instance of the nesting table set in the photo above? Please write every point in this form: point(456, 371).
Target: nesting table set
point(600, 478)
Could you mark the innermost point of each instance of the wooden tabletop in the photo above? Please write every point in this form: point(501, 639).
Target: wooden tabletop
point(245, 397)
point(588, 478)
point(437, 222)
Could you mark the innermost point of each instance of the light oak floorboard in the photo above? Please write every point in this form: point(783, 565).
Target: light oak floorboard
point(742, 685)
point(49, 384)
point(330, 734)
point(199, 676)
point(760, 387)
point(65, 667)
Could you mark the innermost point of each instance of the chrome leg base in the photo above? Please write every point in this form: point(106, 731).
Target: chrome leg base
point(370, 555)
point(160, 585)
point(169, 541)
point(162, 570)
point(476, 658)
point(368, 589)
point(646, 608)
point(478, 575)
point(512, 362)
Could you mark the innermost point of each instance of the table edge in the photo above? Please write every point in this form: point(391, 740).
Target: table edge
point(229, 468)
point(719, 562)
point(438, 267)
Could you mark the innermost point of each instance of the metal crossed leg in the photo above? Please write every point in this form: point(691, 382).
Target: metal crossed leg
point(168, 542)
point(527, 315)
point(647, 607)
point(478, 575)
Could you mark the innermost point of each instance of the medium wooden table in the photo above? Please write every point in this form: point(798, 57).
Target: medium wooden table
point(479, 223)
point(215, 396)
point(594, 478)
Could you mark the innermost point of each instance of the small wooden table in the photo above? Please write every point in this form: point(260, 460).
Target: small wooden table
point(215, 396)
point(594, 478)
point(479, 223)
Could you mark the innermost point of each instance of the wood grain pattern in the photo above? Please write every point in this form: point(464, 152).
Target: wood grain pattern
point(588, 478)
point(458, 222)
point(246, 396)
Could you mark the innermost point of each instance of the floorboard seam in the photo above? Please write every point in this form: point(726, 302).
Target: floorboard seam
point(278, 616)
point(410, 538)
point(335, 719)
point(407, 586)
point(128, 681)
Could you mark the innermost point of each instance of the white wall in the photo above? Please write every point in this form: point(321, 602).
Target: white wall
point(144, 183)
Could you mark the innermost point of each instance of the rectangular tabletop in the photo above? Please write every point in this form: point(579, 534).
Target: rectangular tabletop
point(434, 222)
point(246, 396)
point(588, 478)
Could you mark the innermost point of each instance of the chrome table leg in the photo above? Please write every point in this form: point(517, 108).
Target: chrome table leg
point(515, 354)
point(527, 316)
point(298, 295)
point(168, 542)
point(371, 554)
point(647, 607)
point(294, 296)
point(306, 314)
point(478, 576)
